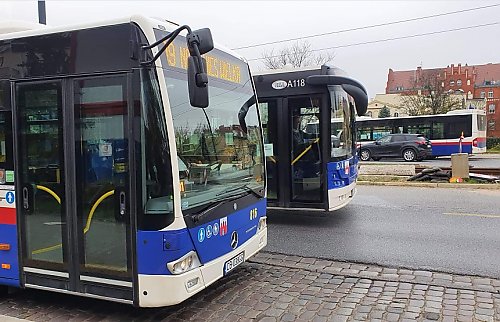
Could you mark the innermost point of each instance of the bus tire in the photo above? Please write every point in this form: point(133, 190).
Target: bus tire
point(364, 155)
point(4, 290)
point(409, 155)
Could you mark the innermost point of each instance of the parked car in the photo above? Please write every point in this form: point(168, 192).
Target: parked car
point(410, 147)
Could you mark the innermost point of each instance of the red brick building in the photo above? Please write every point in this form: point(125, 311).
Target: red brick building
point(473, 81)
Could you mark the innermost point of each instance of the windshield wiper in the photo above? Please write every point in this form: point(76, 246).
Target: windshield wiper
point(221, 200)
point(243, 187)
point(216, 203)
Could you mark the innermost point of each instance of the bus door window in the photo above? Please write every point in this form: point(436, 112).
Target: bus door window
point(365, 134)
point(437, 131)
point(380, 131)
point(305, 154)
point(41, 171)
point(102, 172)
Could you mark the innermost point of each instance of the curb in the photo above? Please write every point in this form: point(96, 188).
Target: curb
point(490, 186)
point(376, 272)
point(6, 318)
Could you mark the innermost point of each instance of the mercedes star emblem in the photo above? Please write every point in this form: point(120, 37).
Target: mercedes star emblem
point(234, 239)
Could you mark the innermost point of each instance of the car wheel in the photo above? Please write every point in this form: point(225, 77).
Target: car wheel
point(409, 155)
point(364, 155)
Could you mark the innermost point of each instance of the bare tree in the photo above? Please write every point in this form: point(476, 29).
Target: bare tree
point(298, 54)
point(429, 97)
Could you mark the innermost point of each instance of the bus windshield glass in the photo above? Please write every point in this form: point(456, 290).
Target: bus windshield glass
point(219, 147)
point(342, 120)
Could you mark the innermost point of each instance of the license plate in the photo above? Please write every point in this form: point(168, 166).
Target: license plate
point(234, 262)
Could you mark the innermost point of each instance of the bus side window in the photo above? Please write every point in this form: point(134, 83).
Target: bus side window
point(157, 183)
point(6, 151)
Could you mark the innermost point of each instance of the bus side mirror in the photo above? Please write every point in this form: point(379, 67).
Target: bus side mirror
point(360, 98)
point(197, 82)
point(199, 42)
point(206, 42)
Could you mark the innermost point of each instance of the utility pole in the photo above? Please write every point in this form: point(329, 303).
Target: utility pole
point(42, 17)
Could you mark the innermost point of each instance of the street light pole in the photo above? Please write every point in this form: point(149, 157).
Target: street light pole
point(42, 17)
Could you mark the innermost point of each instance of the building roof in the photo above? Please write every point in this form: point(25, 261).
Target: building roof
point(405, 79)
point(488, 72)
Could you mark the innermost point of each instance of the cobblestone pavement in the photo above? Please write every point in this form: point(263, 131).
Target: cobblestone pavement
point(275, 287)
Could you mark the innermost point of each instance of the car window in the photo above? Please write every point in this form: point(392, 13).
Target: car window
point(398, 138)
point(385, 139)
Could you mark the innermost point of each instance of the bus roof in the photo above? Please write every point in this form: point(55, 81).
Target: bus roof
point(286, 69)
point(22, 29)
point(11, 26)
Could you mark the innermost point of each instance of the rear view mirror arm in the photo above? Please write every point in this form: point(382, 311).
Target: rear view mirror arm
point(169, 37)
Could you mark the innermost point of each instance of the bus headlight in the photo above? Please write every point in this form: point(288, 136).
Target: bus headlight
point(262, 223)
point(184, 264)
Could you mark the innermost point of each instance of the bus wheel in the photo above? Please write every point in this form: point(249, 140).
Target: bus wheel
point(409, 155)
point(364, 155)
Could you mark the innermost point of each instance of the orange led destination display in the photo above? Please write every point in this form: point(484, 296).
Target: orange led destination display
point(219, 64)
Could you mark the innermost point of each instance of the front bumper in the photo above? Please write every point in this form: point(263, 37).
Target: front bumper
point(165, 290)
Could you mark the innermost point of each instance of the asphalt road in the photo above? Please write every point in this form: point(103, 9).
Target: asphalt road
point(450, 230)
point(478, 161)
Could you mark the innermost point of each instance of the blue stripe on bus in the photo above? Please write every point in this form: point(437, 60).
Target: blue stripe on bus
point(244, 222)
point(9, 260)
point(337, 176)
point(449, 149)
point(157, 248)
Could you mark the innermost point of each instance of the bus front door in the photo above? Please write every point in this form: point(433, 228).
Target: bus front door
point(72, 165)
point(292, 144)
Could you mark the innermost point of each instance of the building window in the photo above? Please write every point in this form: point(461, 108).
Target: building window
point(468, 82)
point(369, 113)
point(452, 83)
point(442, 84)
point(482, 95)
point(459, 82)
point(491, 108)
point(469, 95)
point(491, 124)
point(396, 114)
point(490, 94)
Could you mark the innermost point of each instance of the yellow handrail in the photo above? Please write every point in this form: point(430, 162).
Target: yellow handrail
point(91, 214)
point(305, 151)
point(51, 192)
point(89, 218)
point(272, 159)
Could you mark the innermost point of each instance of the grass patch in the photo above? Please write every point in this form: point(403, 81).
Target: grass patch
point(470, 180)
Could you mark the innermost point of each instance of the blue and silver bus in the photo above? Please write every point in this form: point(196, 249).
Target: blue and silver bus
point(131, 166)
point(311, 164)
point(450, 132)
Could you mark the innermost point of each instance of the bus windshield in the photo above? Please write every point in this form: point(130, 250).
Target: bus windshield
point(220, 145)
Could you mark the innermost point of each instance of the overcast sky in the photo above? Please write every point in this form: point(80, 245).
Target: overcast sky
point(241, 23)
